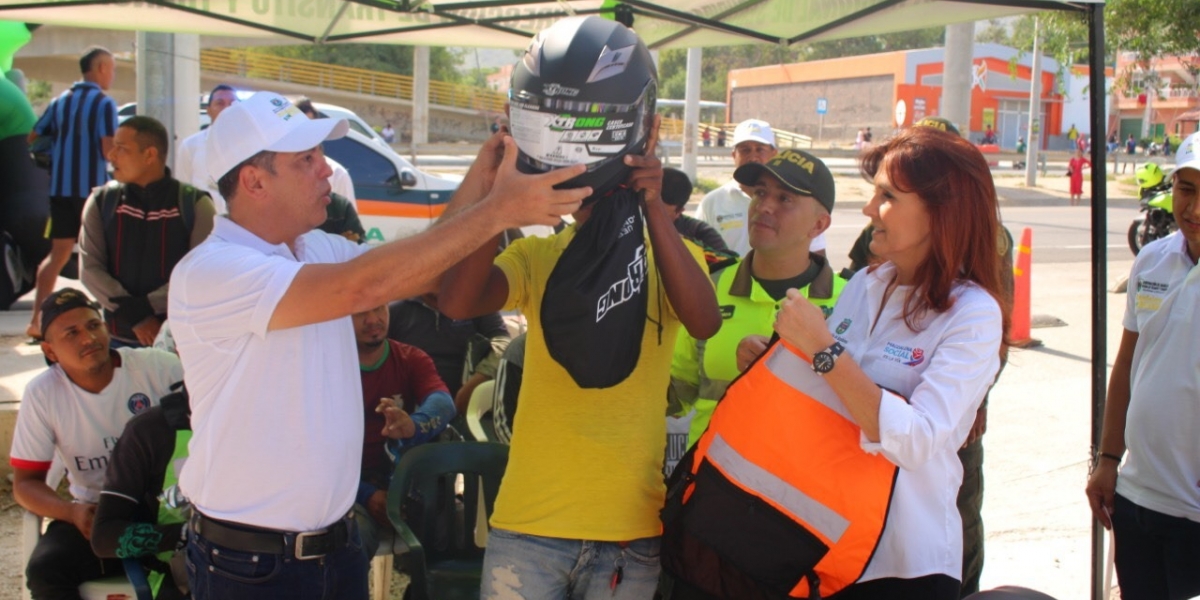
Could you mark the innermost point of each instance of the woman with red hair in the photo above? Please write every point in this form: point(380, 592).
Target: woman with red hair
point(913, 346)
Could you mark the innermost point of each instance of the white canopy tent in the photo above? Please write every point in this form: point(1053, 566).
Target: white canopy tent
point(510, 23)
point(662, 24)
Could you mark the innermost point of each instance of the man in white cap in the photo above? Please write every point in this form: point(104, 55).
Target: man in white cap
point(726, 207)
point(1144, 482)
point(261, 317)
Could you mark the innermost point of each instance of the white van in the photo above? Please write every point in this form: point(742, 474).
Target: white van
point(395, 199)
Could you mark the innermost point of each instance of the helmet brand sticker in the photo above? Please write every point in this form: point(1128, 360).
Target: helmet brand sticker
point(554, 89)
point(611, 63)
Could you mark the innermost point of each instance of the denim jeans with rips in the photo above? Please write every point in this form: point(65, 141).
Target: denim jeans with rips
point(529, 567)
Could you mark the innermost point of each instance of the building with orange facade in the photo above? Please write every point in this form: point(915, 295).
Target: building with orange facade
point(894, 89)
point(1174, 102)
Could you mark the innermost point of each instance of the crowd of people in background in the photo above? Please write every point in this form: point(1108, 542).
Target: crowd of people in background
point(233, 387)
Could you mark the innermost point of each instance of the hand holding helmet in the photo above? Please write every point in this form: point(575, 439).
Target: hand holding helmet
point(519, 200)
point(647, 173)
point(583, 93)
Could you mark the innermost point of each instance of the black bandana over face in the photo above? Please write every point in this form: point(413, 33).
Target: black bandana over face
point(594, 307)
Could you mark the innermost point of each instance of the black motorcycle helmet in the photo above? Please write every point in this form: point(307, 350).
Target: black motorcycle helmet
point(584, 92)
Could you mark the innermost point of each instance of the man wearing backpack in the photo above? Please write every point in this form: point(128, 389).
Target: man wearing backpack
point(136, 229)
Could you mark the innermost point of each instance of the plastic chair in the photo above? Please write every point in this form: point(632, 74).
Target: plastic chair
point(445, 532)
point(480, 405)
point(99, 589)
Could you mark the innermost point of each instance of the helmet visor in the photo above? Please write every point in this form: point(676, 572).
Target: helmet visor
point(560, 133)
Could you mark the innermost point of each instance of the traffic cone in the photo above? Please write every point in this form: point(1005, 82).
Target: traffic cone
point(1019, 333)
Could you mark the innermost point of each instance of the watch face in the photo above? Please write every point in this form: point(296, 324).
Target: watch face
point(823, 362)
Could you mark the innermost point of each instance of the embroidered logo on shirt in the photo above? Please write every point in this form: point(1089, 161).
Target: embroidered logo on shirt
point(843, 326)
point(138, 403)
point(905, 355)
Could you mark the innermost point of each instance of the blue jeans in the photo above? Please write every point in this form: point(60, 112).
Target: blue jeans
point(219, 573)
point(531, 567)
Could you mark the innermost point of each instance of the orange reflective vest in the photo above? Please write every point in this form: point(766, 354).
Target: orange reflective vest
point(777, 498)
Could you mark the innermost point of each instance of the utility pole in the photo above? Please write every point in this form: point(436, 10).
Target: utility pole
point(956, 80)
point(691, 112)
point(1035, 109)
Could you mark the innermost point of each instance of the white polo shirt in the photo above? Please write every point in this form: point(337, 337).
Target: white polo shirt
point(944, 370)
point(727, 210)
point(1161, 471)
point(276, 416)
point(341, 182)
point(58, 416)
point(191, 167)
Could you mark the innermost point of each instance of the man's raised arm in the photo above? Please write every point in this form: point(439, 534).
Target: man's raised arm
point(408, 267)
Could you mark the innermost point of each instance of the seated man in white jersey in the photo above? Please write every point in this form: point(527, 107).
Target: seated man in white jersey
point(77, 409)
point(726, 208)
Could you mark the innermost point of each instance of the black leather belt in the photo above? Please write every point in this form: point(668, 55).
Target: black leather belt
point(303, 545)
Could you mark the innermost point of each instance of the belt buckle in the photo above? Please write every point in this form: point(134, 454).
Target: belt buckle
point(298, 550)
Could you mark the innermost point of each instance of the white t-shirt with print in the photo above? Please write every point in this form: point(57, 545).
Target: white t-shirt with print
point(57, 415)
point(1161, 471)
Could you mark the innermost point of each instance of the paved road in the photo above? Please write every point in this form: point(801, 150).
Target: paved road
point(1061, 234)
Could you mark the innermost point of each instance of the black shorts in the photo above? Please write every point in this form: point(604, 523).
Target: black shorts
point(66, 217)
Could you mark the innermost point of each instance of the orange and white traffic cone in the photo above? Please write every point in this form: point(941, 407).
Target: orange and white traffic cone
point(1019, 333)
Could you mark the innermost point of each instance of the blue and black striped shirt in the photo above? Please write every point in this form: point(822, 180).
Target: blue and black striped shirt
point(78, 120)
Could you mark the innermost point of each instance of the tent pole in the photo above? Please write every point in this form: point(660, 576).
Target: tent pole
point(1096, 99)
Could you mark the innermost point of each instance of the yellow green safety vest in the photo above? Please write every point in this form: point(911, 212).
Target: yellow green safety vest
point(168, 515)
point(701, 370)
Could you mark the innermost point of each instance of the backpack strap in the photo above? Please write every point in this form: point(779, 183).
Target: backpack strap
point(108, 195)
point(188, 196)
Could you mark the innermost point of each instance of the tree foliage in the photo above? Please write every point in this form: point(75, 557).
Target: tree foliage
point(1147, 28)
point(718, 61)
point(374, 57)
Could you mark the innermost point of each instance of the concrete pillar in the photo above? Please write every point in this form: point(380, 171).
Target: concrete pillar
point(1035, 109)
point(691, 112)
point(420, 114)
point(957, 81)
point(168, 82)
point(1150, 87)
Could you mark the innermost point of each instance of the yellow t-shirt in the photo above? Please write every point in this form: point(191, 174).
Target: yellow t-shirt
point(585, 463)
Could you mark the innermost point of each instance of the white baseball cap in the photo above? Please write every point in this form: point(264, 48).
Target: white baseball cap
point(754, 130)
point(1188, 154)
point(264, 121)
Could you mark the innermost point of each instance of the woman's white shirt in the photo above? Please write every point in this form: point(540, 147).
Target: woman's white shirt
point(944, 370)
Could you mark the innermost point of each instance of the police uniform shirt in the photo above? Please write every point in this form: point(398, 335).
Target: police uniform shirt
point(82, 426)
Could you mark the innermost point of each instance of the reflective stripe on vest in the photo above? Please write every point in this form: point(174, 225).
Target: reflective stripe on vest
point(783, 439)
point(753, 314)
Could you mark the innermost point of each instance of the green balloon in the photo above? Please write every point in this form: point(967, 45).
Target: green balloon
point(13, 35)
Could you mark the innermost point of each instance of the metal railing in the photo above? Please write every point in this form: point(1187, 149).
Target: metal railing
point(258, 65)
point(672, 129)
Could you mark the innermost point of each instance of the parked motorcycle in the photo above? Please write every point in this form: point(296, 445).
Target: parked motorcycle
point(1155, 201)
